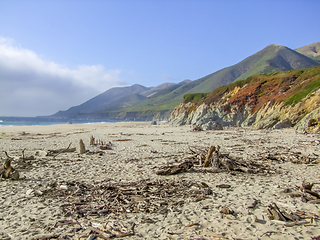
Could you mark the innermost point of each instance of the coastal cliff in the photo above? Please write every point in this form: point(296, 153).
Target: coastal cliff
point(277, 100)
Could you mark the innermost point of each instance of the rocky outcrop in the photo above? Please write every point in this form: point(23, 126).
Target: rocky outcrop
point(271, 115)
point(238, 107)
point(310, 123)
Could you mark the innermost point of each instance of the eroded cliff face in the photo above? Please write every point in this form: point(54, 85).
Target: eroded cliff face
point(242, 107)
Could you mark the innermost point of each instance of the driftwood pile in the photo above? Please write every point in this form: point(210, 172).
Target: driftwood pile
point(91, 230)
point(84, 199)
point(282, 217)
point(217, 161)
point(309, 195)
point(100, 143)
point(294, 157)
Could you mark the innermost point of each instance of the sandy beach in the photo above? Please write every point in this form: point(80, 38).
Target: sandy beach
point(116, 192)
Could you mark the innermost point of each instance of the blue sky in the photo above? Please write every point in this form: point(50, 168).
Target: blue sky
point(57, 54)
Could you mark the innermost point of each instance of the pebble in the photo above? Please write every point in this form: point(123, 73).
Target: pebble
point(252, 219)
point(63, 187)
point(29, 192)
point(37, 192)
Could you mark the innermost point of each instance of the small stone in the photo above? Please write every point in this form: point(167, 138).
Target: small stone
point(29, 192)
point(37, 192)
point(226, 210)
point(63, 187)
point(252, 219)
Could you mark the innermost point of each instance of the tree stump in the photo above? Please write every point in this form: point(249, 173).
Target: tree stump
point(82, 147)
point(7, 171)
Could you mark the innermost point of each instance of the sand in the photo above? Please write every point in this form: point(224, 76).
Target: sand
point(138, 150)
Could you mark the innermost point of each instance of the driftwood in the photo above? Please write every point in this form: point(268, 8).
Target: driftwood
point(175, 169)
point(219, 162)
point(276, 215)
point(92, 141)
point(7, 171)
point(56, 152)
point(196, 128)
point(100, 199)
point(101, 144)
point(224, 162)
point(46, 236)
point(106, 199)
point(308, 194)
point(24, 158)
point(82, 147)
point(226, 210)
point(208, 158)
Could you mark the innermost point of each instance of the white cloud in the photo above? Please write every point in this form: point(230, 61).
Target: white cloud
point(32, 86)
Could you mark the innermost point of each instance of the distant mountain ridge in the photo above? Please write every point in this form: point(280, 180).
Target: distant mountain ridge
point(312, 51)
point(140, 102)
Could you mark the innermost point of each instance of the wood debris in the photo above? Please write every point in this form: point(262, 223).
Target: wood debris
point(82, 147)
point(56, 152)
point(83, 199)
point(196, 128)
point(175, 169)
point(7, 171)
point(219, 162)
point(101, 144)
point(308, 194)
point(226, 210)
point(284, 218)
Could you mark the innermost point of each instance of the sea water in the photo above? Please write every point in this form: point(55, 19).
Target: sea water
point(34, 121)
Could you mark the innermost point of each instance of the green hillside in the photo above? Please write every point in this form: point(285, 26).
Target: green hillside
point(273, 58)
point(138, 101)
point(287, 86)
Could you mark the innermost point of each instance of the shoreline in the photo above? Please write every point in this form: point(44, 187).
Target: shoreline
point(138, 150)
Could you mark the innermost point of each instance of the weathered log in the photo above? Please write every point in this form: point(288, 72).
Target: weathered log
point(46, 236)
point(62, 150)
point(171, 170)
point(275, 214)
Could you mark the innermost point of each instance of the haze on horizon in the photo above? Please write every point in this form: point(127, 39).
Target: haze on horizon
point(58, 54)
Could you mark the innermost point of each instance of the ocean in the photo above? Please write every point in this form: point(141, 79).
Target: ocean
point(35, 121)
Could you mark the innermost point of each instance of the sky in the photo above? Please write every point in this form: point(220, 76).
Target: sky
point(56, 54)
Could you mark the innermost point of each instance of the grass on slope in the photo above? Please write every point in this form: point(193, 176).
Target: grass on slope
point(311, 84)
point(289, 87)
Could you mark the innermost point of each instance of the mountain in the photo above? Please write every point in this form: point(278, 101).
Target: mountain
point(311, 51)
point(274, 100)
point(110, 99)
point(141, 102)
point(273, 58)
